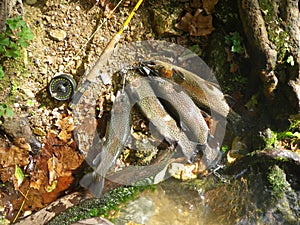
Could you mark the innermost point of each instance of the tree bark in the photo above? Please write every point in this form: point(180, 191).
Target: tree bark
point(272, 31)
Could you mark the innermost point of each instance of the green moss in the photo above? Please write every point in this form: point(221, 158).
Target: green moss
point(13, 58)
point(277, 181)
point(98, 207)
point(267, 10)
point(284, 139)
point(276, 33)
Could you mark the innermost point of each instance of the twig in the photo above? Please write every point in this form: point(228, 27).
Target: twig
point(21, 207)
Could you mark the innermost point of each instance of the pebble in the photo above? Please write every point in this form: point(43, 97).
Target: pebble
point(31, 2)
point(43, 70)
point(39, 131)
point(58, 34)
point(28, 92)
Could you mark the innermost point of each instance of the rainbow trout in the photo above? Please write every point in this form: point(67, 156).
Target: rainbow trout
point(116, 139)
point(190, 117)
point(205, 94)
point(152, 174)
point(141, 93)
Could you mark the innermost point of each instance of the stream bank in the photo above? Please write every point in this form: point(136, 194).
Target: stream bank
point(53, 52)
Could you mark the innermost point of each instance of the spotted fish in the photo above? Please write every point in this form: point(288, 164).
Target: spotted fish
point(190, 117)
point(140, 92)
point(116, 139)
point(205, 94)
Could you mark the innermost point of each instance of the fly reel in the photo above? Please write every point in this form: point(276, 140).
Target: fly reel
point(62, 87)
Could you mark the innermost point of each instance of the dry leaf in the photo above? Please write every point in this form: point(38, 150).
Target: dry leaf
point(197, 25)
point(36, 179)
point(209, 5)
point(62, 184)
point(51, 168)
point(66, 125)
point(15, 155)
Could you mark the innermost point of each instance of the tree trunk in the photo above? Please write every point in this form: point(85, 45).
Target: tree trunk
point(272, 31)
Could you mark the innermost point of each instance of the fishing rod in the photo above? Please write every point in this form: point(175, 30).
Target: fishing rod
point(103, 59)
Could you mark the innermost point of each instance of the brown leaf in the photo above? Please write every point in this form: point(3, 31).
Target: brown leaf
point(201, 25)
point(66, 123)
point(185, 22)
point(233, 67)
point(51, 168)
point(196, 25)
point(7, 173)
point(68, 159)
point(209, 5)
point(36, 179)
point(62, 184)
point(195, 3)
point(15, 155)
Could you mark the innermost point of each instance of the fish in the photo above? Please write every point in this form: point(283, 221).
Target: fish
point(154, 173)
point(117, 135)
point(190, 117)
point(205, 94)
point(141, 93)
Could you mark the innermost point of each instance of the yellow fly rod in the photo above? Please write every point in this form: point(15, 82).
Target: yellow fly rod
point(96, 70)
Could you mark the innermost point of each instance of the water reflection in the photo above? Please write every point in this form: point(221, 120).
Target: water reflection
point(247, 199)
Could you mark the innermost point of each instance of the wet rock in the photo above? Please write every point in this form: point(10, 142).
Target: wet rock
point(238, 150)
point(266, 182)
point(138, 211)
point(58, 34)
point(18, 127)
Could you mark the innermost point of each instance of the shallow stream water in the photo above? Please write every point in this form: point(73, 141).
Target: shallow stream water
point(243, 199)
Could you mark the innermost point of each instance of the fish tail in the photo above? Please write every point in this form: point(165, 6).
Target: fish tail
point(94, 183)
point(233, 117)
point(211, 156)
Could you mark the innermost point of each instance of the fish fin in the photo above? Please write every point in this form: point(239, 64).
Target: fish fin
point(161, 176)
point(94, 151)
point(96, 160)
point(94, 183)
point(179, 74)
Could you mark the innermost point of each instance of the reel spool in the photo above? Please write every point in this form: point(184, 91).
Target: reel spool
point(62, 87)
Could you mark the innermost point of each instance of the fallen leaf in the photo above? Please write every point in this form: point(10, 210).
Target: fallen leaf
point(65, 123)
point(51, 168)
point(209, 5)
point(36, 179)
point(19, 175)
point(62, 184)
point(52, 186)
point(197, 24)
point(15, 155)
